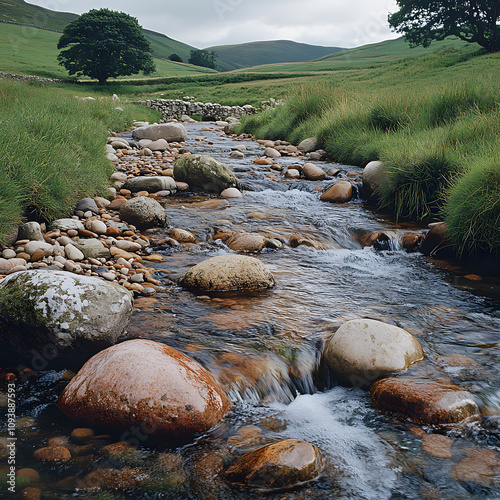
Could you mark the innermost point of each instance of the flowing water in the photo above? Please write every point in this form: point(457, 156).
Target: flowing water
point(265, 349)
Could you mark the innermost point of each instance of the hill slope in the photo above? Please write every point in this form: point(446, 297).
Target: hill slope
point(245, 55)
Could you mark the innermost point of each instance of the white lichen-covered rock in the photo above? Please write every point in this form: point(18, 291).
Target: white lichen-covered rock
point(56, 312)
point(363, 350)
point(171, 132)
point(67, 224)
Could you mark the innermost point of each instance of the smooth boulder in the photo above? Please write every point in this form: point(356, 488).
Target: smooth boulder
point(280, 465)
point(424, 402)
point(363, 350)
point(204, 172)
point(145, 384)
point(55, 313)
point(374, 177)
point(246, 242)
point(171, 132)
point(229, 273)
point(312, 172)
point(150, 184)
point(340, 192)
point(143, 212)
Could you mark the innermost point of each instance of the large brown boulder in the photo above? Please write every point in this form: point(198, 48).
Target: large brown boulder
point(362, 350)
point(436, 242)
point(340, 192)
point(424, 402)
point(229, 273)
point(145, 384)
point(279, 465)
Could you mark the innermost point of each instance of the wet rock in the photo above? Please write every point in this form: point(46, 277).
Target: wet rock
point(143, 213)
point(61, 315)
point(436, 242)
point(362, 350)
point(31, 493)
point(150, 184)
point(86, 204)
point(30, 231)
point(182, 236)
point(229, 273)
point(381, 240)
point(438, 445)
point(145, 384)
point(308, 145)
point(292, 173)
point(82, 433)
point(246, 242)
point(296, 241)
point(171, 132)
point(52, 454)
point(205, 173)
point(114, 479)
point(423, 401)
point(272, 153)
point(479, 466)
point(411, 242)
point(374, 176)
point(340, 192)
point(312, 172)
point(276, 466)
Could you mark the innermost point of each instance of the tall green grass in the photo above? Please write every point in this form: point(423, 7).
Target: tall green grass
point(438, 137)
point(53, 149)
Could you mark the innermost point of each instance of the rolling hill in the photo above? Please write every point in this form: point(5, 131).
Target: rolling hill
point(246, 55)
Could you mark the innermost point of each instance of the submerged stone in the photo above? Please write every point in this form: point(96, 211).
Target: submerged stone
point(276, 466)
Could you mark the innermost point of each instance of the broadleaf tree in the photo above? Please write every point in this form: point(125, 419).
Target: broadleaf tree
point(422, 21)
point(203, 57)
point(104, 44)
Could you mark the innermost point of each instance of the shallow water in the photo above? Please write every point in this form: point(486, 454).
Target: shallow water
point(265, 349)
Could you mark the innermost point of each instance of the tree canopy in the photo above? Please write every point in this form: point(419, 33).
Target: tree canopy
point(422, 21)
point(105, 44)
point(205, 58)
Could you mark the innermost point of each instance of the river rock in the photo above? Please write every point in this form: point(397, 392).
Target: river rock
point(146, 384)
point(7, 264)
point(231, 193)
point(424, 402)
point(159, 145)
point(92, 248)
point(72, 253)
point(171, 132)
point(128, 246)
point(340, 192)
point(374, 176)
point(30, 231)
point(308, 145)
point(86, 204)
point(67, 224)
point(182, 236)
point(229, 273)
point(143, 212)
point(272, 153)
point(362, 350)
point(119, 176)
point(150, 184)
point(8, 253)
point(276, 466)
point(312, 172)
point(58, 313)
point(96, 226)
point(34, 245)
point(52, 454)
point(436, 242)
point(246, 242)
point(204, 172)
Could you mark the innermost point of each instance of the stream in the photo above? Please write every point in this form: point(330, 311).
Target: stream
point(265, 348)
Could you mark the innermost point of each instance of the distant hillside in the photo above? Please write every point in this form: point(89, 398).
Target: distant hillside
point(246, 55)
point(19, 11)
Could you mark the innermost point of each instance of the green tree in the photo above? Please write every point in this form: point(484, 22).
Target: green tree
point(175, 57)
point(422, 21)
point(105, 44)
point(205, 58)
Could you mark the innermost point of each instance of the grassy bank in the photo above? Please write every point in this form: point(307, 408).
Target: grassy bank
point(53, 149)
point(435, 123)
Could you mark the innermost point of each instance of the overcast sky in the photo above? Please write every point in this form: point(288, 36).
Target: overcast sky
point(204, 23)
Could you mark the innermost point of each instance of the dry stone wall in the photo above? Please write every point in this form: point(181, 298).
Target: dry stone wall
point(175, 109)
